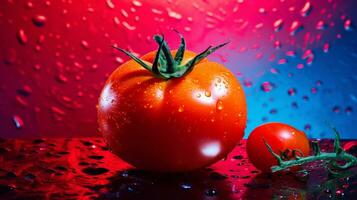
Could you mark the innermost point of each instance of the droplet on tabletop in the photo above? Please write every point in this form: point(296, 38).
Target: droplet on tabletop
point(186, 186)
point(95, 170)
point(211, 192)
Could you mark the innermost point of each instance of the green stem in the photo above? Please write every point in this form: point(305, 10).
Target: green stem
point(338, 155)
point(167, 67)
point(350, 159)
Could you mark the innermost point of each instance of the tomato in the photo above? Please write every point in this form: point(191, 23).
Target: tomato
point(280, 137)
point(174, 124)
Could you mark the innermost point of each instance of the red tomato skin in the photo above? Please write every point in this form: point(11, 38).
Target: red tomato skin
point(180, 124)
point(280, 137)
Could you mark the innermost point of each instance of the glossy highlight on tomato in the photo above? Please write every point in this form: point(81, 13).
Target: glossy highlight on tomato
point(280, 137)
point(174, 124)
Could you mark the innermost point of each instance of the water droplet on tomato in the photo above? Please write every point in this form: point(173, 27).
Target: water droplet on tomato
point(181, 108)
point(173, 14)
point(208, 94)
point(219, 105)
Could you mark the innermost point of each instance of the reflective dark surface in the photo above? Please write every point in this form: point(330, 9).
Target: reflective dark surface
point(85, 169)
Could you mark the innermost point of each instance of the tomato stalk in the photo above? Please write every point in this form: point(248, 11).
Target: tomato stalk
point(338, 155)
point(167, 67)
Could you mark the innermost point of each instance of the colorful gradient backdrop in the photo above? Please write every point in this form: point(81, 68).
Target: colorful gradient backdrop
point(296, 59)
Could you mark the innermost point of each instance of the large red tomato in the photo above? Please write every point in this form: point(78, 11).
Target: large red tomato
point(176, 115)
point(281, 137)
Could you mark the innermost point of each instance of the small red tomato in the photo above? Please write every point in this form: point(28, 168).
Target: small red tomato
point(172, 110)
point(281, 137)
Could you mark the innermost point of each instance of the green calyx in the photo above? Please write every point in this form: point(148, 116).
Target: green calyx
point(167, 67)
point(331, 159)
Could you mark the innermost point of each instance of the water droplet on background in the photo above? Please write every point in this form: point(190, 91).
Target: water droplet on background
point(347, 25)
point(19, 123)
point(292, 91)
point(267, 86)
point(110, 4)
point(306, 10)
point(39, 20)
point(296, 26)
point(278, 24)
point(22, 37)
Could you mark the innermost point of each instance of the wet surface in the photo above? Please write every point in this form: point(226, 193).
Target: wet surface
point(85, 169)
